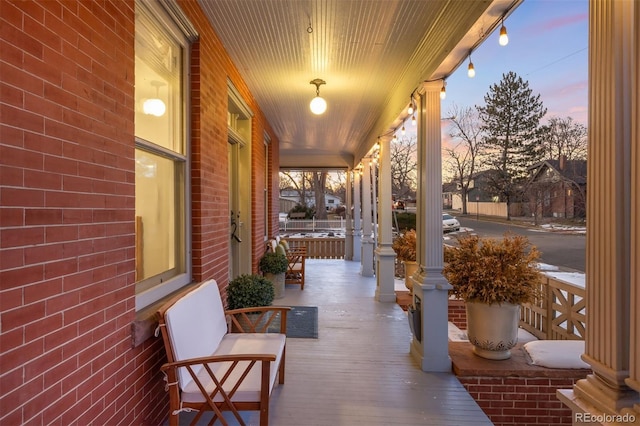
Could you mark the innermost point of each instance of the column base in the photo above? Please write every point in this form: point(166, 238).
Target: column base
point(432, 364)
point(366, 269)
point(432, 301)
point(385, 274)
point(586, 413)
point(603, 397)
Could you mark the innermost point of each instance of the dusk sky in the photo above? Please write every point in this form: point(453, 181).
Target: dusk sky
point(547, 47)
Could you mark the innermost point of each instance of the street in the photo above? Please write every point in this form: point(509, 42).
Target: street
point(564, 249)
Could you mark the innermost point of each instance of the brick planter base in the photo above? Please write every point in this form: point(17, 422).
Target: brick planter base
point(513, 392)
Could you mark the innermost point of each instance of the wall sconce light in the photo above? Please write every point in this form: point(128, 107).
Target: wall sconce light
point(318, 105)
point(504, 38)
point(471, 71)
point(443, 91)
point(155, 106)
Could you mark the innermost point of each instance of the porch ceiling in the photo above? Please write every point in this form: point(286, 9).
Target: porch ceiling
point(371, 53)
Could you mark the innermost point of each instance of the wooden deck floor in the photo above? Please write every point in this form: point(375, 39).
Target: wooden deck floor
point(359, 371)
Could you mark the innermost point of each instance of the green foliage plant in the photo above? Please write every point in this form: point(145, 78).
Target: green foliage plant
point(493, 271)
point(405, 246)
point(249, 290)
point(273, 263)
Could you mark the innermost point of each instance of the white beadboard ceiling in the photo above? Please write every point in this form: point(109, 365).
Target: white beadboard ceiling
point(371, 53)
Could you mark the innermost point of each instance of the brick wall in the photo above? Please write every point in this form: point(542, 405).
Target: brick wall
point(513, 391)
point(458, 313)
point(521, 401)
point(67, 290)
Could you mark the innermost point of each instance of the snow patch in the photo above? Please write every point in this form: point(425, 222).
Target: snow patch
point(556, 353)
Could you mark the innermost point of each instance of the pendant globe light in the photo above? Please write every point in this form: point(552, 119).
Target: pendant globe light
point(318, 105)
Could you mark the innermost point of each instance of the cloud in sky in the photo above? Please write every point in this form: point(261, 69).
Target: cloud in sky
point(536, 28)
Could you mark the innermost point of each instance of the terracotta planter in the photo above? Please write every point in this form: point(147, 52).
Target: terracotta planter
point(278, 283)
point(493, 329)
point(410, 268)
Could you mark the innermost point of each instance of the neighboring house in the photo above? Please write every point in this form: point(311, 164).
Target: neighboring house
point(330, 201)
point(449, 190)
point(557, 188)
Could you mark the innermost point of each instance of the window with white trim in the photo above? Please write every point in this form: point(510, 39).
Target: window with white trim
point(161, 155)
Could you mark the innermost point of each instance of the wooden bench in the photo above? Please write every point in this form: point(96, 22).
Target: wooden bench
point(296, 257)
point(212, 369)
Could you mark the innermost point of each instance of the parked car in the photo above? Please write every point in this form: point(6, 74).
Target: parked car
point(449, 223)
point(398, 205)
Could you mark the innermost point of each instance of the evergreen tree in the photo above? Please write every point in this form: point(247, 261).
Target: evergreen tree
point(511, 125)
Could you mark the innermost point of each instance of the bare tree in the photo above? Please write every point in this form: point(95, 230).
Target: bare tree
point(565, 138)
point(464, 151)
point(319, 180)
point(403, 166)
point(296, 181)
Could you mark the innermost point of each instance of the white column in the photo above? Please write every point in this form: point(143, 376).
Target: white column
point(613, 43)
point(348, 204)
point(357, 223)
point(386, 257)
point(430, 288)
point(633, 381)
point(366, 268)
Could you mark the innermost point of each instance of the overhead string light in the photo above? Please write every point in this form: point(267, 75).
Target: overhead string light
point(504, 38)
point(413, 120)
point(443, 91)
point(471, 71)
point(410, 109)
point(403, 130)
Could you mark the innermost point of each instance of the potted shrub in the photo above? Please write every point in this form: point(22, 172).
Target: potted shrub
point(405, 247)
point(493, 277)
point(274, 265)
point(249, 290)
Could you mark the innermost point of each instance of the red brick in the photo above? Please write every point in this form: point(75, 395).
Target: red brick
point(42, 216)
point(60, 268)
point(21, 237)
point(11, 176)
point(63, 302)
point(41, 291)
point(22, 197)
point(42, 253)
point(42, 327)
point(10, 340)
point(11, 258)
point(11, 359)
point(489, 396)
point(22, 315)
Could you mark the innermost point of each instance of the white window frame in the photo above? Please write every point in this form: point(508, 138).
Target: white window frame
point(171, 19)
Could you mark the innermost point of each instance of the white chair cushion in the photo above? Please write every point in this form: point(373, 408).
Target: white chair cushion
point(234, 344)
point(196, 325)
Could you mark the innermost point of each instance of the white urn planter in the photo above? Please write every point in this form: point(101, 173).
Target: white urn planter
point(410, 267)
point(493, 329)
point(278, 283)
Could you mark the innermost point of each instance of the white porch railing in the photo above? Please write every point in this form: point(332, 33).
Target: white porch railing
point(313, 225)
point(558, 313)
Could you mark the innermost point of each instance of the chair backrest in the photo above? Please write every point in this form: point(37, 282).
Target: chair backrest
point(195, 325)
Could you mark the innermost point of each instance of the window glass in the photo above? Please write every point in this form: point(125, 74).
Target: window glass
point(158, 85)
point(161, 195)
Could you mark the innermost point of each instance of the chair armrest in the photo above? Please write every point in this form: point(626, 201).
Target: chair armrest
point(212, 385)
point(260, 320)
point(296, 255)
